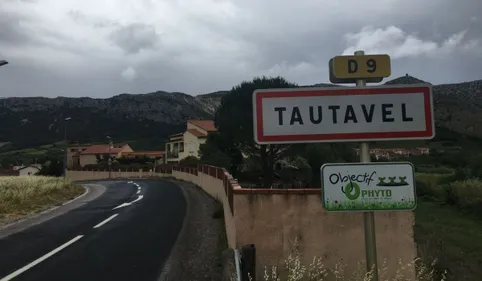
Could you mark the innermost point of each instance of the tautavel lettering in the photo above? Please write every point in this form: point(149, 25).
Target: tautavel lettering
point(347, 114)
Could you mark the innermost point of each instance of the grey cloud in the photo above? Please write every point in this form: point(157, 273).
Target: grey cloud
point(272, 38)
point(90, 20)
point(11, 31)
point(135, 37)
point(14, 32)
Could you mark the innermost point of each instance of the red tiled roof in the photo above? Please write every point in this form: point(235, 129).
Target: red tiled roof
point(176, 136)
point(207, 125)
point(196, 133)
point(100, 149)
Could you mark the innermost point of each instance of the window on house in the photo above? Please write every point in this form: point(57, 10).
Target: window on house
point(168, 147)
point(181, 147)
point(191, 147)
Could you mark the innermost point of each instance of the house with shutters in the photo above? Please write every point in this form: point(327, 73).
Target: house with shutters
point(187, 143)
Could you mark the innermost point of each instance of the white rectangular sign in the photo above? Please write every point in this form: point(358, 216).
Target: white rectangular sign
point(302, 115)
point(368, 186)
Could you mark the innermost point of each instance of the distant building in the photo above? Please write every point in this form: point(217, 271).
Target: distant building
point(89, 155)
point(81, 155)
point(73, 153)
point(157, 155)
point(182, 145)
point(388, 153)
point(29, 170)
point(149, 154)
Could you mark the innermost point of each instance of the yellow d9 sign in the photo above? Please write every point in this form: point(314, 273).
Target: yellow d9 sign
point(361, 67)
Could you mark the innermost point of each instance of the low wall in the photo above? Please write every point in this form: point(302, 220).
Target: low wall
point(271, 219)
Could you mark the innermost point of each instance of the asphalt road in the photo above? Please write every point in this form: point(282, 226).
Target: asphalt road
point(98, 242)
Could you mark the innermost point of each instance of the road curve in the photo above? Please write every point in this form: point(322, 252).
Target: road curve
point(125, 234)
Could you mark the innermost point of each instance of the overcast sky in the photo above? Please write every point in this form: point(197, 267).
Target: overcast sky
point(104, 48)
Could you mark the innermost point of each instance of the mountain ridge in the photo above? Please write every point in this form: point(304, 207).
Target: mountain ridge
point(157, 114)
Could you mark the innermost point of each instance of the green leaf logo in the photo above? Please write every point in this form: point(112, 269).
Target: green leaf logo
point(351, 191)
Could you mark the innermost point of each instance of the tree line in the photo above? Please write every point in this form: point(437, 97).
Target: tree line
point(233, 146)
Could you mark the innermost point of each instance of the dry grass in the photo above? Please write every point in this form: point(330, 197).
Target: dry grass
point(294, 270)
point(25, 195)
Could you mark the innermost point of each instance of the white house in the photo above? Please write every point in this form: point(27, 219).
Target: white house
point(28, 170)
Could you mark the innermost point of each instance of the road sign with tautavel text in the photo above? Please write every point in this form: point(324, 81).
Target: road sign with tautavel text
point(303, 115)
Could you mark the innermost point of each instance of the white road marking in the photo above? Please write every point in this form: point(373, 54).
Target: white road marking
point(128, 204)
point(138, 199)
point(39, 260)
point(138, 191)
point(122, 205)
point(105, 221)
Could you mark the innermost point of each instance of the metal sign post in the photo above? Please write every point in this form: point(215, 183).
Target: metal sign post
point(368, 217)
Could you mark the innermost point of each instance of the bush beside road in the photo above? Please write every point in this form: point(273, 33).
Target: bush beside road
point(25, 195)
point(449, 225)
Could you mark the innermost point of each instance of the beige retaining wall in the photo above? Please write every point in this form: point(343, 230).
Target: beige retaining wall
point(271, 219)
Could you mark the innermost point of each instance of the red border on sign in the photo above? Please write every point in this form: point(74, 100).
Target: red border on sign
point(345, 92)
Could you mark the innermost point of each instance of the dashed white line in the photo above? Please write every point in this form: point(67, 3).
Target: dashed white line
point(103, 222)
point(39, 260)
point(138, 191)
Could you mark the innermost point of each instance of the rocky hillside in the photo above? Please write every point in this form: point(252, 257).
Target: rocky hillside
point(27, 122)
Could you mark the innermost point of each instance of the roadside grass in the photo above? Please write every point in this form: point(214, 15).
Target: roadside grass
point(294, 270)
point(24, 195)
point(451, 235)
point(448, 224)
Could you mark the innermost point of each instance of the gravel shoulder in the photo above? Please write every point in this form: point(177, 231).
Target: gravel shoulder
point(197, 254)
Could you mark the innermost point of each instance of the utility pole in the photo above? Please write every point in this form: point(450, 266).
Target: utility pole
point(110, 160)
point(66, 146)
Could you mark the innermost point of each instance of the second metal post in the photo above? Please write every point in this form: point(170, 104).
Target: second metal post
point(368, 217)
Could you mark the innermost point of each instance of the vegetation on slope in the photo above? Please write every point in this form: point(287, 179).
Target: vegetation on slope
point(25, 195)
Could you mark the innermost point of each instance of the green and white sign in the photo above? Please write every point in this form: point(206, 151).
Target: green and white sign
point(368, 186)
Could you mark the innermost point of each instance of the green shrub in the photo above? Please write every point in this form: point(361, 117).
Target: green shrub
point(466, 194)
point(430, 185)
point(190, 161)
point(434, 170)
